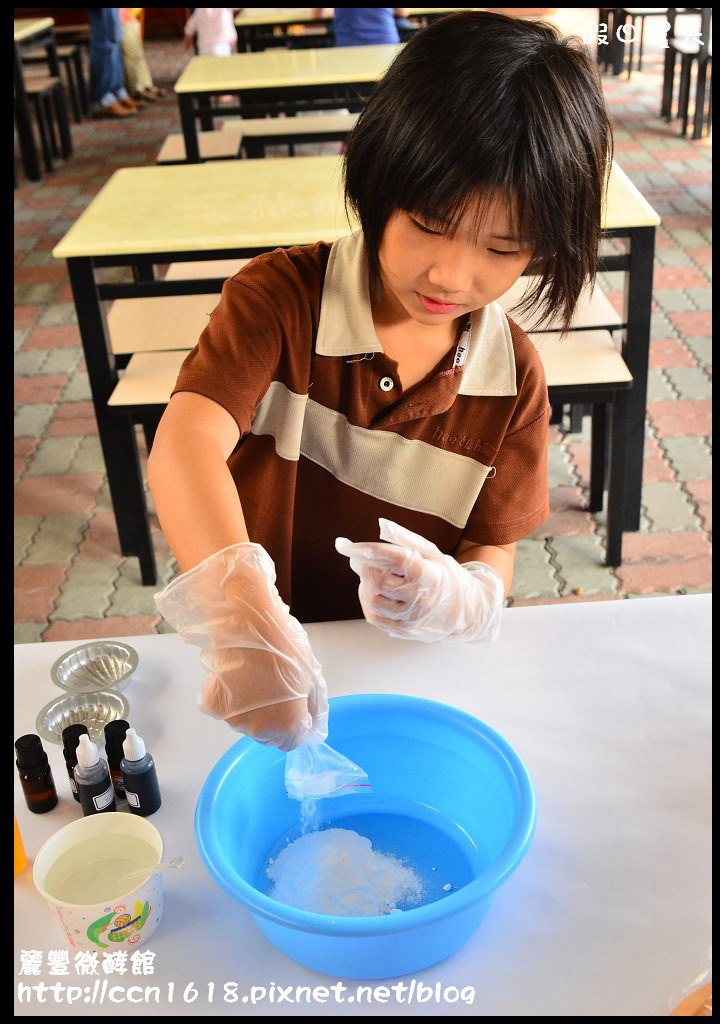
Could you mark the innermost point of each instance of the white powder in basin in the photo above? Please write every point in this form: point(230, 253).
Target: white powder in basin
point(337, 872)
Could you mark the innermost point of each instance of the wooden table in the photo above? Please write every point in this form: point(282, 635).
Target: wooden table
point(277, 81)
point(238, 209)
point(31, 34)
point(609, 913)
point(259, 26)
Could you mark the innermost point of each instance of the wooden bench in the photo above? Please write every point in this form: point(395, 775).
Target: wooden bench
point(253, 134)
point(167, 322)
point(48, 99)
point(586, 368)
point(594, 309)
point(69, 57)
point(158, 324)
point(195, 270)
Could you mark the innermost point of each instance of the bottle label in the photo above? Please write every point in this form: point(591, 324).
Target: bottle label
point(104, 799)
point(132, 798)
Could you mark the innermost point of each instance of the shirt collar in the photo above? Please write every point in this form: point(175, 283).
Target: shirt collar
point(346, 326)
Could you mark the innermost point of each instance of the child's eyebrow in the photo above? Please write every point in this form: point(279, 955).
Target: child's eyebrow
point(509, 238)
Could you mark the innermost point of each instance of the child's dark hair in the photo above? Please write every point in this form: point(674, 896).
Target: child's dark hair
point(479, 106)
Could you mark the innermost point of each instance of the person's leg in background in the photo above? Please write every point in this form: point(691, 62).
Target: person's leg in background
point(137, 73)
point(108, 96)
point(218, 50)
point(118, 71)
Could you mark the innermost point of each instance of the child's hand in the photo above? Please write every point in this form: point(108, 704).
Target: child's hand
point(411, 590)
point(263, 678)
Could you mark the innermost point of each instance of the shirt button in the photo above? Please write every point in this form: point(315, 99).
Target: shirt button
point(386, 383)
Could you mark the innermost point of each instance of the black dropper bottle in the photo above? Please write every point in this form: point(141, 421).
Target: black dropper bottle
point(35, 774)
point(71, 737)
point(114, 735)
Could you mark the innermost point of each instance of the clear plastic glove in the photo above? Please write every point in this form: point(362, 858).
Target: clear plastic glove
point(263, 678)
point(411, 590)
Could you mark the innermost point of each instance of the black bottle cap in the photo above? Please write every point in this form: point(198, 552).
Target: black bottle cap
point(30, 753)
point(71, 737)
point(114, 735)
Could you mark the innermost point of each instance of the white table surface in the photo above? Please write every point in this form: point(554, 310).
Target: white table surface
point(608, 703)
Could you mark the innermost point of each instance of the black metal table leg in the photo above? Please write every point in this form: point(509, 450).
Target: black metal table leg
point(616, 52)
point(577, 411)
point(598, 443)
point(63, 121)
point(144, 270)
point(636, 353)
point(617, 489)
point(205, 111)
point(189, 128)
point(668, 83)
point(116, 430)
point(700, 99)
point(26, 137)
point(82, 88)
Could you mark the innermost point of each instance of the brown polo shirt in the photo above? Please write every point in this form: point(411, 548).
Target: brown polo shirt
point(329, 442)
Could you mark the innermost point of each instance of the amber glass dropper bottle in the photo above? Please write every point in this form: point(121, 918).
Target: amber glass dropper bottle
point(35, 774)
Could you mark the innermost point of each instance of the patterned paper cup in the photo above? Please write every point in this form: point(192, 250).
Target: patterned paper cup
point(78, 871)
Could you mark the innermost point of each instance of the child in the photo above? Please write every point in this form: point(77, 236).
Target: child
point(378, 378)
point(216, 33)
point(108, 95)
point(137, 73)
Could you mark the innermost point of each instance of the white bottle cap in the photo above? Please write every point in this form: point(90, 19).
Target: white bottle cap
point(87, 752)
point(133, 746)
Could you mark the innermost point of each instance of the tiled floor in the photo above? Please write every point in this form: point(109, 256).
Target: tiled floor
point(72, 582)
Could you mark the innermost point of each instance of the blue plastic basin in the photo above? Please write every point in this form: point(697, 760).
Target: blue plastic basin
point(449, 796)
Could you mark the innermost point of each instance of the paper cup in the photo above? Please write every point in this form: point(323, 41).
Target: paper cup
point(120, 921)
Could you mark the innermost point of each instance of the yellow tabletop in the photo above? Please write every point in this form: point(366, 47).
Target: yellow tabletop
point(221, 205)
point(287, 68)
point(274, 16)
point(26, 28)
point(250, 204)
point(417, 11)
point(626, 206)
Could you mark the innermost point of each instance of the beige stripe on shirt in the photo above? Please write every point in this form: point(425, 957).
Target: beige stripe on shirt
point(409, 473)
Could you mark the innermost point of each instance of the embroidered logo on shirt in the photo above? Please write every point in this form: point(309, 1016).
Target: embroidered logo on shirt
point(462, 441)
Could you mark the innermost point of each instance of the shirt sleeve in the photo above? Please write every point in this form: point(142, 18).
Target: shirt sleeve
point(237, 355)
point(514, 498)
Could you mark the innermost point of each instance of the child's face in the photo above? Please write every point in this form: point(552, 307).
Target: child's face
point(436, 278)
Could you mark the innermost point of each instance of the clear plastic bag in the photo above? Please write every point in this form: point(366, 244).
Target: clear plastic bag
point(315, 771)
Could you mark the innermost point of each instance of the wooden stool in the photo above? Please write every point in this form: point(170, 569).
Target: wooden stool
point(48, 99)
point(688, 57)
point(71, 60)
point(642, 13)
point(586, 367)
point(252, 135)
point(73, 34)
point(593, 309)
